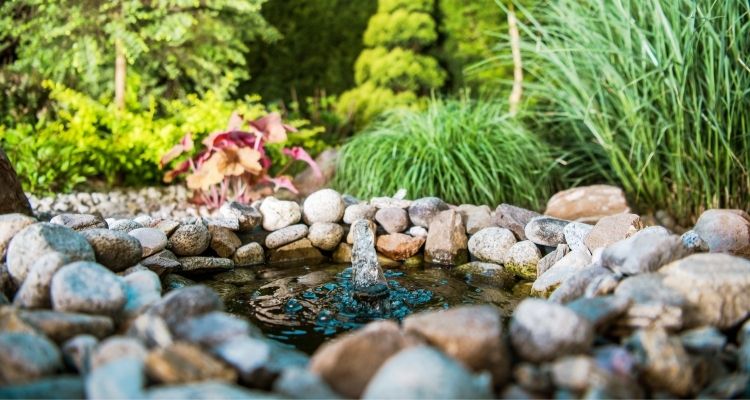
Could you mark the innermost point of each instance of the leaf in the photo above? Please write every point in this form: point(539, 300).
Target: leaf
point(235, 122)
point(298, 153)
point(186, 144)
point(180, 169)
point(272, 127)
point(282, 182)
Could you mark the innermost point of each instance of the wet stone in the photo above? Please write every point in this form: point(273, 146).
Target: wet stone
point(152, 240)
point(79, 222)
point(522, 259)
point(491, 244)
point(203, 265)
point(173, 281)
point(115, 250)
point(182, 363)
point(477, 271)
point(61, 326)
point(249, 254)
point(87, 287)
point(422, 211)
point(190, 240)
point(286, 235)
point(224, 241)
point(342, 254)
point(25, 357)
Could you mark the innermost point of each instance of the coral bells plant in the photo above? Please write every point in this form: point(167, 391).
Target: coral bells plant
point(234, 164)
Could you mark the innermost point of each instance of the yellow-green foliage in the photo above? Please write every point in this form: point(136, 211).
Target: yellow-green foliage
point(387, 6)
point(400, 28)
point(398, 69)
point(368, 101)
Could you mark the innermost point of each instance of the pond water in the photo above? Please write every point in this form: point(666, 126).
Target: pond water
point(306, 305)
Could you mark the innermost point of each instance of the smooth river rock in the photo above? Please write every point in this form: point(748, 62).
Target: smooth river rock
point(152, 240)
point(10, 224)
point(325, 205)
point(190, 240)
point(514, 218)
point(521, 259)
point(612, 229)
point(115, 250)
point(491, 244)
point(87, 287)
point(359, 211)
point(286, 235)
point(279, 214)
point(546, 231)
point(587, 203)
point(25, 357)
point(725, 231)
point(325, 235)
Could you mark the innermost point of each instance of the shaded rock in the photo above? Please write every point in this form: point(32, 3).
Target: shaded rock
point(534, 378)
point(213, 328)
point(151, 330)
point(258, 361)
point(522, 258)
point(475, 218)
point(79, 222)
point(36, 240)
point(348, 362)
point(55, 387)
point(25, 357)
point(300, 252)
point(299, 383)
point(392, 219)
point(575, 233)
point(325, 205)
point(491, 244)
point(325, 235)
point(552, 258)
point(399, 246)
point(286, 235)
point(248, 216)
point(162, 262)
point(446, 242)
point(167, 226)
point(184, 303)
point(646, 251)
point(469, 334)
point(486, 272)
point(514, 218)
point(205, 391)
point(249, 254)
point(612, 229)
point(546, 231)
point(664, 363)
point(224, 241)
point(124, 225)
point(359, 211)
point(115, 250)
point(570, 265)
point(386, 202)
point(141, 289)
point(417, 231)
point(204, 265)
point(422, 211)
point(703, 340)
point(342, 254)
point(173, 281)
point(587, 203)
point(725, 231)
point(600, 311)
point(182, 363)
point(152, 240)
point(588, 281)
point(10, 224)
point(116, 348)
point(190, 240)
point(61, 326)
point(123, 378)
point(87, 287)
point(716, 286)
point(425, 373)
point(78, 351)
point(35, 290)
point(542, 331)
point(279, 214)
point(237, 276)
point(653, 303)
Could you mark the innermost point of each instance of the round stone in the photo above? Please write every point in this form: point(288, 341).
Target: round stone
point(124, 225)
point(325, 205)
point(249, 254)
point(359, 211)
point(152, 240)
point(546, 231)
point(113, 249)
point(26, 357)
point(87, 287)
point(34, 292)
point(392, 219)
point(725, 231)
point(522, 258)
point(325, 235)
point(279, 214)
point(491, 244)
point(190, 240)
point(286, 235)
point(422, 211)
point(10, 224)
point(36, 240)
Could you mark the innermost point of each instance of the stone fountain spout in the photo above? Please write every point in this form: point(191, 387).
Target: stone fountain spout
point(367, 276)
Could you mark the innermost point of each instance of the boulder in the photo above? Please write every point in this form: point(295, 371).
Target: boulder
point(587, 203)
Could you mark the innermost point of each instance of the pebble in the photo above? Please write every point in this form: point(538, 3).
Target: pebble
point(190, 240)
point(325, 205)
point(184, 363)
point(87, 287)
point(115, 250)
point(62, 326)
point(359, 211)
point(279, 214)
point(247, 216)
point(79, 222)
point(611, 229)
point(392, 219)
point(249, 255)
point(286, 235)
point(152, 240)
point(224, 241)
point(325, 235)
point(521, 259)
point(446, 242)
point(546, 231)
point(399, 246)
point(202, 265)
point(422, 211)
point(26, 357)
point(10, 224)
point(725, 231)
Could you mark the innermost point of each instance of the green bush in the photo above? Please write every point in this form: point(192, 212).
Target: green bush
point(463, 151)
point(368, 101)
point(400, 28)
point(649, 94)
point(398, 69)
point(388, 6)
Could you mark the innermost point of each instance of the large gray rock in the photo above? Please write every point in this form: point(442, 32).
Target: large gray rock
point(422, 372)
point(325, 235)
point(249, 254)
point(494, 274)
point(612, 229)
point(491, 244)
point(286, 235)
point(446, 240)
point(475, 218)
point(546, 231)
point(258, 361)
point(664, 362)
point(35, 290)
point(87, 287)
point(570, 265)
point(587, 203)
point(10, 224)
point(359, 211)
point(142, 288)
point(79, 222)
point(213, 328)
point(646, 251)
point(115, 250)
point(123, 378)
point(36, 240)
point(392, 219)
point(25, 357)
point(542, 331)
point(61, 326)
point(152, 240)
point(522, 259)
point(514, 218)
point(422, 211)
point(248, 216)
point(725, 231)
point(184, 303)
point(279, 214)
point(325, 205)
point(190, 240)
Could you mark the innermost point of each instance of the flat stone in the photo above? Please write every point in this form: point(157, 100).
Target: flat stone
point(725, 231)
point(399, 246)
point(612, 229)
point(570, 265)
point(325, 205)
point(300, 252)
point(664, 362)
point(248, 216)
point(279, 214)
point(514, 218)
point(115, 250)
point(213, 328)
point(587, 203)
point(79, 222)
point(224, 241)
point(184, 303)
point(26, 357)
point(249, 254)
point(77, 352)
point(124, 225)
point(446, 242)
point(54, 387)
point(495, 274)
point(152, 240)
point(190, 240)
point(469, 334)
point(286, 235)
point(546, 231)
point(162, 262)
point(183, 363)
point(645, 251)
point(35, 290)
point(36, 240)
point(204, 265)
point(258, 361)
point(575, 234)
point(87, 287)
point(359, 211)
point(386, 202)
point(542, 331)
point(392, 219)
point(62, 326)
point(10, 224)
point(325, 235)
point(422, 211)
point(521, 259)
point(475, 218)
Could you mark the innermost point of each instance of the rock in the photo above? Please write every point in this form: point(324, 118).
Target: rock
point(55, 387)
point(693, 243)
point(204, 265)
point(286, 235)
point(115, 250)
point(399, 246)
point(446, 242)
point(387, 202)
point(522, 258)
point(600, 311)
point(224, 241)
point(79, 222)
point(183, 363)
point(167, 226)
point(299, 383)
point(592, 280)
point(646, 251)
point(425, 373)
point(26, 357)
point(152, 240)
point(325, 205)
point(491, 244)
point(417, 231)
point(612, 229)
point(10, 224)
point(546, 262)
point(541, 331)
point(367, 274)
point(494, 274)
point(342, 254)
point(116, 348)
point(230, 223)
point(190, 240)
point(575, 373)
point(173, 281)
point(248, 216)
point(664, 362)
point(184, 303)
point(325, 235)
point(142, 288)
point(475, 218)
point(422, 211)
point(213, 328)
point(87, 287)
point(587, 203)
point(279, 214)
point(62, 326)
point(348, 362)
point(237, 276)
point(469, 334)
point(12, 198)
point(359, 211)
point(514, 218)
point(249, 254)
point(124, 225)
point(300, 252)
point(35, 290)
point(653, 303)
point(258, 361)
point(575, 233)
point(716, 286)
point(205, 391)
point(703, 340)
point(725, 231)
point(392, 219)
point(151, 330)
point(733, 386)
point(546, 231)
point(78, 351)
point(120, 379)
point(36, 240)
point(162, 262)
point(570, 265)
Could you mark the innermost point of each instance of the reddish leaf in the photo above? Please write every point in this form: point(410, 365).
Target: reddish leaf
point(186, 144)
point(298, 153)
point(281, 182)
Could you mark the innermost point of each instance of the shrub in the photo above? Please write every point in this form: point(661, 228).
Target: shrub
point(400, 28)
point(651, 94)
point(398, 69)
point(463, 151)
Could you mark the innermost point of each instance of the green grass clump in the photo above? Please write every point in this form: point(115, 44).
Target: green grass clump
point(653, 95)
point(461, 150)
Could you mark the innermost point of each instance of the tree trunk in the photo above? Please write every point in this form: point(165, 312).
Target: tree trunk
point(12, 198)
point(515, 45)
point(120, 69)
